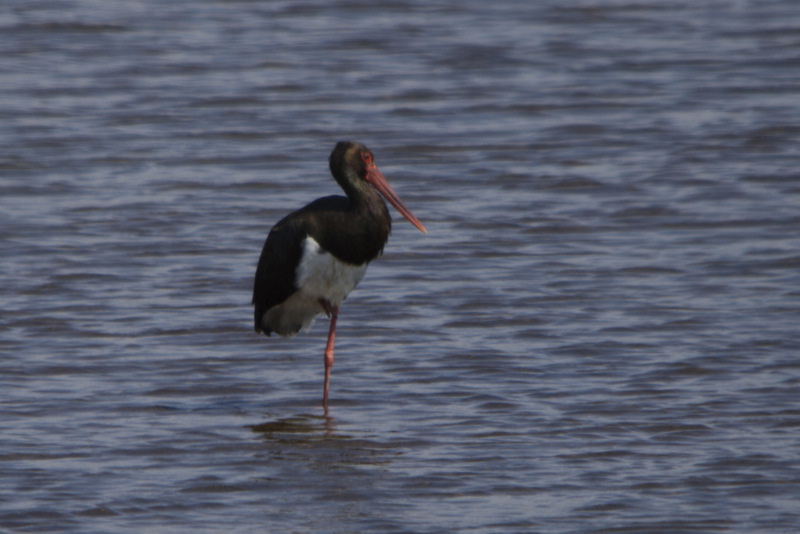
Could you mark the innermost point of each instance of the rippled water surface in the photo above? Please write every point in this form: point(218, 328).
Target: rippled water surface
point(600, 332)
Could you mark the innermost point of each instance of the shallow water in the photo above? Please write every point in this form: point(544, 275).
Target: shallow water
point(598, 334)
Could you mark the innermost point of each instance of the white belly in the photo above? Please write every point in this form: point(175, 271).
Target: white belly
point(319, 276)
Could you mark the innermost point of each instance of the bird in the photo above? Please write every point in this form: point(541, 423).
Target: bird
point(315, 256)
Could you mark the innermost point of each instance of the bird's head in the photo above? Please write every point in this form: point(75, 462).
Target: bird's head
point(353, 164)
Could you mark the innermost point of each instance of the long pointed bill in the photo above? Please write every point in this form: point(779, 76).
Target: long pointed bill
point(375, 178)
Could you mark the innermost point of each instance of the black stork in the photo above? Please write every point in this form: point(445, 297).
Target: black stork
point(314, 257)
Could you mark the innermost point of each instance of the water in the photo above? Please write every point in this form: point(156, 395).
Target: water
point(598, 334)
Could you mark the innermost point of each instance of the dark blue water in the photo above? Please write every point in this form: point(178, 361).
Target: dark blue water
point(600, 332)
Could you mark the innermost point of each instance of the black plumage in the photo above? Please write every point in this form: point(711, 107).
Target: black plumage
point(353, 229)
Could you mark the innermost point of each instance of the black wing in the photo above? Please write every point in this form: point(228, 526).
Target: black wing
point(275, 274)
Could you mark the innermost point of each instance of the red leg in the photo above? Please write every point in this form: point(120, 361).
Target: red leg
point(329, 354)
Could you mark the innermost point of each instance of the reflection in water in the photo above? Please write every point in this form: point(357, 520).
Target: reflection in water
point(316, 439)
point(322, 468)
point(311, 426)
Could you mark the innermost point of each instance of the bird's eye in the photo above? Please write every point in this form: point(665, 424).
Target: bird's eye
point(367, 157)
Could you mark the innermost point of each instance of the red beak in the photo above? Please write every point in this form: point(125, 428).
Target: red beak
point(375, 178)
